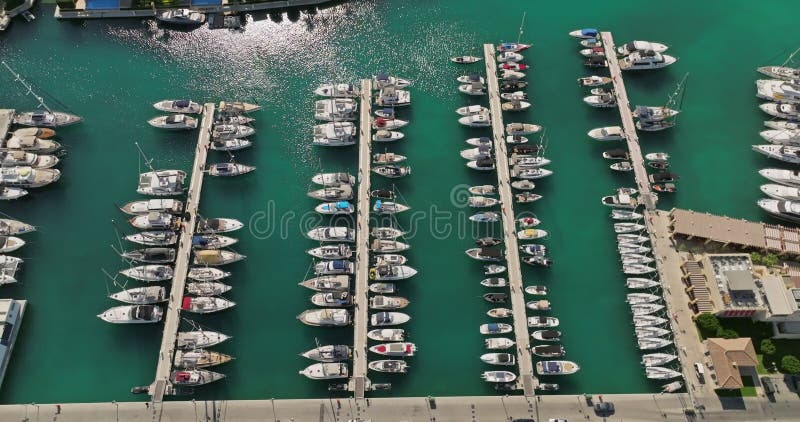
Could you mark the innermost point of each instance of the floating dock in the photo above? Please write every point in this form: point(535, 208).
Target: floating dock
point(526, 381)
point(6, 118)
point(359, 382)
point(161, 385)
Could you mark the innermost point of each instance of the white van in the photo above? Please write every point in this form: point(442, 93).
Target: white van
point(699, 369)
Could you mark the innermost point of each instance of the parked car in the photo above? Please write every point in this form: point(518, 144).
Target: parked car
point(604, 408)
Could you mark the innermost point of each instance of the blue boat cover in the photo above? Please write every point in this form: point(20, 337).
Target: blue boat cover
point(102, 4)
point(506, 44)
point(199, 241)
point(378, 204)
point(552, 366)
point(388, 111)
point(484, 139)
point(493, 326)
point(591, 32)
point(339, 264)
point(342, 205)
point(382, 76)
point(206, 2)
point(182, 103)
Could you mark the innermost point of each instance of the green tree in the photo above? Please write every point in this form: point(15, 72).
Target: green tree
point(770, 260)
point(727, 333)
point(708, 323)
point(767, 347)
point(757, 258)
point(790, 364)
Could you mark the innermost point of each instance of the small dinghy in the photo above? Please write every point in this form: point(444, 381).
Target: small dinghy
point(500, 313)
point(387, 334)
point(498, 343)
point(229, 169)
point(496, 328)
point(504, 359)
point(465, 59)
point(536, 290)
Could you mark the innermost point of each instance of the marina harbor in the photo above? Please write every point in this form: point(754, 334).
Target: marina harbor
point(314, 210)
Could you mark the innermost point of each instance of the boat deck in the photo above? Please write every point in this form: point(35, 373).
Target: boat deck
point(12, 337)
point(6, 118)
point(161, 385)
point(628, 126)
point(359, 382)
point(526, 381)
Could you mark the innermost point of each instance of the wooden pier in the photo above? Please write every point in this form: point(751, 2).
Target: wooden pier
point(359, 382)
point(526, 381)
point(646, 197)
point(6, 118)
point(161, 385)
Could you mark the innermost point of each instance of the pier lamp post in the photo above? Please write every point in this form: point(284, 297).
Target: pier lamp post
point(194, 403)
point(37, 409)
point(503, 401)
point(114, 402)
point(274, 418)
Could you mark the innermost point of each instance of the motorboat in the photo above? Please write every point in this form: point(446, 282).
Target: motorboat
point(663, 177)
point(515, 105)
point(394, 349)
point(488, 241)
point(592, 51)
point(151, 255)
point(327, 283)
point(382, 80)
point(527, 222)
point(542, 321)
point(527, 197)
point(616, 154)
point(530, 173)
point(782, 176)
point(199, 358)
point(522, 128)
point(388, 207)
point(383, 246)
point(148, 273)
point(387, 136)
point(338, 251)
point(636, 298)
point(648, 321)
point(585, 33)
point(538, 261)
point(179, 106)
point(480, 142)
point(9, 227)
point(512, 85)
point(472, 77)
point(516, 95)
point(335, 134)
point(782, 125)
point(392, 96)
point(156, 221)
point(482, 164)
point(653, 114)
point(194, 377)
point(548, 351)
point(191, 340)
point(392, 366)
point(476, 120)
point(482, 190)
point(387, 334)
point(499, 376)
point(601, 101)
point(388, 124)
point(326, 371)
point(387, 302)
point(778, 91)
point(641, 283)
point(386, 233)
point(536, 290)
point(392, 171)
point(333, 193)
point(334, 179)
point(592, 81)
point(228, 169)
point(780, 72)
point(205, 304)
point(608, 133)
point(207, 288)
point(495, 328)
point(147, 295)
point(493, 269)
point(628, 227)
point(337, 90)
point(338, 266)
point(782, 209)
point(620, 200)
point(232, 119)
point(623, 166)
point(661, 373)
point(382, 193)
point(181, 17)
point(7, 193)
point(161, 183)
point(500, 313)
point(556, 367)
point(332, 234)
point(538, 305)
point(510, 56)
point(658, 165)
point(601, 91)
point(512, 66)
point(385, 319)
point(336, 109)
point(533, 249)
point(547, 335)
point(646, 308)
point(504, 359)
point(153, 238)
point(633, 46)
point(591, 42)
point(332, 299)
point(531, 234)
point(596, 61)
point(485, 217)
point(498, 343)
point(382, 288)
point(38, 132)
point(781, 111)
point(332, 317)
point(30, 144)
point(472, 109)
point(523, 184)
point(651, 332)
point(132, 314)
point(335, 208)
point(645, 59)
point(620, 214)
point(785, 153)
point(781, 192)
point(512, 47)
point(391, 272)
point(171, 206)
point(485, 254)
point(494, 282)
point(482, 202)
point(524, 160)
point(465, 59)
point(46, 118)
point(174, 122)
point(495, 297)
point(27, 177)
point(782, 136)
point(657, 359)
point(388, 158)
point(508, 75)
point(218, 225)
point(29, 159)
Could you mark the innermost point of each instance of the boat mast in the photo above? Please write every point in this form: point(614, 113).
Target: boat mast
point(789, 59)
point(521, 25)
point(675, 99)
point(28, 87)
point(147, 162)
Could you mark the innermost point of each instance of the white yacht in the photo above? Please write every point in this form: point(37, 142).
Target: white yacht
point(199, 358)
point(342, 192)
point(207, 288)
point(585, 33)
point(190, 340)
point(27, 177)
point(383, 80)
point(132, 314)
point(387, 136)
point(780, 72)
point(337, 90)
point(394, 349)
point(21, 158)
point(477, 153)
point(643, 309)
point(522, 128)
point(499, 376)
point(608, 133)
point(332, 234)
point(385, 319)
point(218, 225)
point(178, 106)
point(657, 359)
point(335, 134)
point(194, 377)
point(556, 367)
point(147, 295)
point(11, 313)
point(633, 46)
point(229, 144)
point(174, 122)
point(636, 298)
point(156, 221)
point(780, 192)
point(149, 273)
point(782, 176)
point(476, 120)
point(785, 153)
point(783, 137)
point(784, 210)
point(30, 144)
point(387, 302)
point(335, 208)
point(14, 227)
point(504, 359)
point(161, 182)
point(515, 105)
point(646, 59)
point(653, 114)
point(390, 96)
point(594, 80)
point(781, 111)
point(474, 88)
point(648, 321)
point(182, 17)
point(153, 238)
point(215, 257)
point(661, 373)
point(651, 332)
point(601, 101)
point(338, 251)
point(498, 343)
point(230, 131)
point(10, 243)
point(778, 91)
point(386, 334)
point(522, 161)
point(46, 118)
point(641, 283)
point(472, 109)
point(205, 304)
point(652, 343)
point(326, 371)
point(473, 77)
point(394, 366)
point(334, 179)
point(336, 109)
point(628, 227)
point(326, 317)
point(327, 283)
point(530, 173)
point(542, 322)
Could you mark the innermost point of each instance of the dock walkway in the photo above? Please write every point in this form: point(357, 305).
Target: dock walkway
point(628, 126)
point(359, 382)
point(161, 385)
point(524, 361)
point(6, 118)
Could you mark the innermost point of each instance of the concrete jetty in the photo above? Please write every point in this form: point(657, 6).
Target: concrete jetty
point(161, 385)
point(629, 128)
point(6, 118)
point(359, 382)
point(526, 379)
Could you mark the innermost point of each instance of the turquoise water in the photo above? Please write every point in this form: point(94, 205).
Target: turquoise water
point(111, 71)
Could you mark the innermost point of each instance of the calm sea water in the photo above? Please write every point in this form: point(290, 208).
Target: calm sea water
point(111, 71)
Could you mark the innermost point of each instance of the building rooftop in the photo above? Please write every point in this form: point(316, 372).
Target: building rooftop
point(728, 356)
point(718, 228)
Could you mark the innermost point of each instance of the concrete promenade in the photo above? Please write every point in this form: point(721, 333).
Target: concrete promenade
point(6, 117)
point(80, 11)
point(172, 320)
point(633, 407)
point(359, 381)
point(628, 126)
point(524, 361)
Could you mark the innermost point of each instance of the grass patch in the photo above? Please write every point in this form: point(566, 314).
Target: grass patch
point(758, 331)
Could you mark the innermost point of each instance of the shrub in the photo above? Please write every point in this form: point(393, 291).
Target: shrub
point(708, 323)
point(767, 347)
point(727, 333)
point(790, 364)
